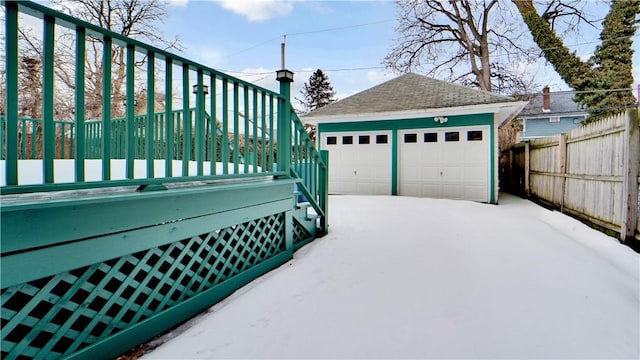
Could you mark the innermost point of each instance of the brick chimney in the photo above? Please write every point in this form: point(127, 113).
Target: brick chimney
point(546, 99)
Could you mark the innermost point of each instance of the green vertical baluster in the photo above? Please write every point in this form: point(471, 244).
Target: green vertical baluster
point(272, 145)
point(23, 142)
point(263, 125)
point(34, 137)
point(199, 137)
point(213, 123)
point(150, 141)
point(247, 133)
point(168, 116)
point(186, 152)
point(49, 135)
point(130, 109)
point(11, 54)
point(224, 142)
point(255, 130)
point(63, 129)
point(106, 109)
point(178, 131)
point(79, 104)
point(72, 143)
point(160, 143)
point(236, 132)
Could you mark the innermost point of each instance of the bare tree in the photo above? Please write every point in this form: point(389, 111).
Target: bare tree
point(132, 18)
point(474, 42)
point(603, 82)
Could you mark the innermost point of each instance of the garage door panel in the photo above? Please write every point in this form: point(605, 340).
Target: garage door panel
point(453, 162)
point(382, 173)
point(430, 173)
point(453, 191)
point(475, 173)
point(432, 190)
point(452, 173)
point(381, 189)
point(358, 168)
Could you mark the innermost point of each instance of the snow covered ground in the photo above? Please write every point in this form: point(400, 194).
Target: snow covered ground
point(401, 277)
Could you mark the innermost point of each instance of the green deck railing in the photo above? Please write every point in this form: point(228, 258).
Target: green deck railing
point(247, 113)
point(30, 139)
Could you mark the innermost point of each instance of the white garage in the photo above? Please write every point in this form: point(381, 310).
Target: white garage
point(362, 162)
point(415, 136)
point(452, 163)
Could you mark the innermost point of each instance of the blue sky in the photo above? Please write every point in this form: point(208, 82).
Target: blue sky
point(246, 40)
point(347, 39)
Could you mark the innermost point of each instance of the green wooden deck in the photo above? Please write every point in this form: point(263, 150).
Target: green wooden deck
point(94, 265)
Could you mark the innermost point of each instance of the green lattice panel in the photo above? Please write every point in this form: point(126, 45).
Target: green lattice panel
point(300, 234)
point(64, 313)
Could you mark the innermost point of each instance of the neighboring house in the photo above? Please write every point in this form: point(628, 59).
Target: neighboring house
point(415, 136)
point(550, 114)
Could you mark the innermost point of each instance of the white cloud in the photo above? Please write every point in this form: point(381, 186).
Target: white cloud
point(207, 56)
point(178, 3)
point(260, 76)
point(258, 10)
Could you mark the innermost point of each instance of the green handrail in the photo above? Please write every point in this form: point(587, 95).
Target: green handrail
point(185, 134)
point(308, 165)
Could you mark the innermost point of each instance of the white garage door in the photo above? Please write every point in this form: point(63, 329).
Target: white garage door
point(450, 163)
point(359, 162)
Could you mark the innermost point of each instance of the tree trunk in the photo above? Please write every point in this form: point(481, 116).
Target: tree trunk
point(568, 65)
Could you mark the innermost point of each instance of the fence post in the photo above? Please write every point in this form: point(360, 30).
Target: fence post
point(527, 160)
point(630, 185)
point(285, 77)
point(562, 163)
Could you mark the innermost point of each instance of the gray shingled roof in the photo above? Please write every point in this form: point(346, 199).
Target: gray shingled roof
point(561, 103)
point(409, 92)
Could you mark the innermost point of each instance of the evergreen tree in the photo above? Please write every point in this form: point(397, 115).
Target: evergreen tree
point(611, 66)
point(317, 92)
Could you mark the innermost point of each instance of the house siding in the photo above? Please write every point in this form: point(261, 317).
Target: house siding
point(540, 127)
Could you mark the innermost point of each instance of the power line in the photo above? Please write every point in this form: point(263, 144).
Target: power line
point(306, 70)
point(308, 32)
point(338, 28)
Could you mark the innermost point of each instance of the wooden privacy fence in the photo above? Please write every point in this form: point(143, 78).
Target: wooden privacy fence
point(590, 172)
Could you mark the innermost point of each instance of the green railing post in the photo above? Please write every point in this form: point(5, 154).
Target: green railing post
point(200, 110)
point(236, 130)
point(224, 141)
point(168, 114)
point(48, 127)
point(106, 108)
point(285, 77)
point(213, 126)
point(186, 121)
point(11, 33)
point(130, 112)
point(149, 130)
point(79, 106)
point(323, 177)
